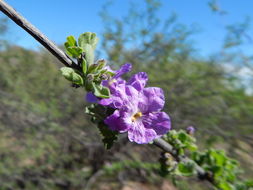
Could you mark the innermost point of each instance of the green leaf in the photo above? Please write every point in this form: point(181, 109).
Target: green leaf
point(217, 171)
point(97, 68)
point(219, 157)
point(192, 147)
point(225, 186)
point(92, 68)
point(99, 113)
point(101, 91)
point(182, 136)
point(84, 66)
point(71, 41)
point(88, 41)
point(108, 135)
point(105, 91)
point(71, 75)
point(88, 38)
point(74, 52)
point(186, 169)
point(89, 54)
point(94, 40)
point(249, 183)
point(181, 151)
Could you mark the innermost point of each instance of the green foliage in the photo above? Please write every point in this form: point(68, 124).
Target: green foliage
point(181, 141)
point(71, 41)
point(223, 169)
point(219, 168)
point(185, 169)
point(101, 91)
point(88, 38)
point(36, 117)
point(168, 164)
point(84, 66)
point(3, 30)
point(71, 47)
point(74, 52)
point(71, 75)
point(90, 74)
point(108, 136)
point(99, 113)
point(237, 34)
point(88, 41)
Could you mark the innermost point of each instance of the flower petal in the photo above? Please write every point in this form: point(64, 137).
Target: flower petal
point(116, 123)
point(117, 98)
point(152, 100)
point(123, 69)
point(138, 81)
point(108, 68)
point(159, 122)
point(90, 97)
point(106, 101)
point(113, 120)
point(139, 134)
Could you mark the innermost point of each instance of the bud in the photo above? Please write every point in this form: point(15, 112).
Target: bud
point(100, 64)
point(104, 76)
point(190, 130)
point(101, 61)
point(90, 77)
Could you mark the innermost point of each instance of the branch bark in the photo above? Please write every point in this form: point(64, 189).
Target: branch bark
point(62, 57)
point(162, 144)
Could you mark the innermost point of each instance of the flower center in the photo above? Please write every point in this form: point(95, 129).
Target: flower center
point(112, 81)
point(136, 116)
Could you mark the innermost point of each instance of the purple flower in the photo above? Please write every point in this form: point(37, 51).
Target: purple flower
point(123, 69)
point(118, 95)
point(112, 82)
point(190, 130)
point(116, 79)
point(138, 81)
point(90, 97)
point(138, 110)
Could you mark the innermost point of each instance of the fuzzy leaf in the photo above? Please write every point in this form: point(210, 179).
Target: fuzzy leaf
point(71, 75)
point(73, 51)
point(101, 91)
point(71, 41)
point(84, 66)
point(109, 136)
point(88, 38)
point(88, 41)
point(89, 53)
point(186, 169)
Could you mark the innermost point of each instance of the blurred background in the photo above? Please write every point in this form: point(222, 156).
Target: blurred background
point(199, 52)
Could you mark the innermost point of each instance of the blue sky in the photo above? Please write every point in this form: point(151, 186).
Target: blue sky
point(59, 18)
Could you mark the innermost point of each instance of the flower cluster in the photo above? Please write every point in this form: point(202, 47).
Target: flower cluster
point(137, 109)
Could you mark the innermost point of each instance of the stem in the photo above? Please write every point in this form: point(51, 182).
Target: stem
point(36, 34)
point(62, 57)
point(162, 144)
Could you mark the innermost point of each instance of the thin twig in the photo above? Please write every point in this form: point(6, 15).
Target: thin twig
point(33, 31)
point(52, 48)
point(162, 144)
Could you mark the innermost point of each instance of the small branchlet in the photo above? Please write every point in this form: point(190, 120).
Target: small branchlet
point(91, 74)
point(219, 169)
